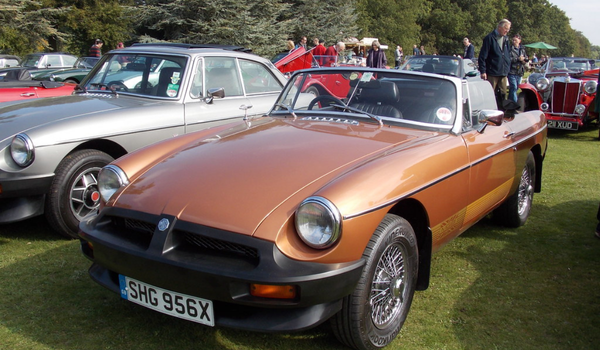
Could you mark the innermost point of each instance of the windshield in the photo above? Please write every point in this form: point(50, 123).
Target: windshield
point(569, 65)
point(142, 74)
point(389, 96)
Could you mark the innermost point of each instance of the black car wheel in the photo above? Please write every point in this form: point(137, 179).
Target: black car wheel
point(515, 210)
point(74, 190)
point(372, 316)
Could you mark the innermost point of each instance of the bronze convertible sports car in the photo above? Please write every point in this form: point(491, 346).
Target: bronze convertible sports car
point(324, 209)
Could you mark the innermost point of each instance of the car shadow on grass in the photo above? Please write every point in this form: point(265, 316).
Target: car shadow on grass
point(535, 287)
point(49, 302)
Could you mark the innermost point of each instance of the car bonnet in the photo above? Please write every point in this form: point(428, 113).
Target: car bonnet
point(233, 182)
point(35, 114)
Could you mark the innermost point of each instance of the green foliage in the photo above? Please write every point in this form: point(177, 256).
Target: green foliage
point(264, 26)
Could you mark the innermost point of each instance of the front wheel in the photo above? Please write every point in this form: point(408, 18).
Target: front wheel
point(515, 210)
point(372, 316)
point(74, 190)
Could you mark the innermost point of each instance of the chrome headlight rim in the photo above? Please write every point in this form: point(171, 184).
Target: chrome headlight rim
point(22, 150)
point(590, 87)
point(110, 179)
point(542, 84)
point(329, 234)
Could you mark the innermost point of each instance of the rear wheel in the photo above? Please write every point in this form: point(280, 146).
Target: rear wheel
point(372, 316)
point(515, 210)
point(74, 190)
point(312, 90)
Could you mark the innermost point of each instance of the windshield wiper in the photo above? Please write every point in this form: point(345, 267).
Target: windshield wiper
point(288, 108)
point(358, 110)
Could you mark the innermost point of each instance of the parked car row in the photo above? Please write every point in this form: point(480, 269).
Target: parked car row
point(205, 185)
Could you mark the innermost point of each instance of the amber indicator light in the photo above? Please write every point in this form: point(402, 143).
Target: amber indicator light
point(273, 292)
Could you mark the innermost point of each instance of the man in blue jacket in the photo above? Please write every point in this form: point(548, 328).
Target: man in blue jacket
point(494, 58)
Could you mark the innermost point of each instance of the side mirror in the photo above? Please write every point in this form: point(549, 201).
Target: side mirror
point(212, 93)
point(487, 116)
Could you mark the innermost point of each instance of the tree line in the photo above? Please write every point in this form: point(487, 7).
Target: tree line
point(265, 25)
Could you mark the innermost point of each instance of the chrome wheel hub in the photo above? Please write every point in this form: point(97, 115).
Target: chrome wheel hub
point(388, 287)
point(84, 196)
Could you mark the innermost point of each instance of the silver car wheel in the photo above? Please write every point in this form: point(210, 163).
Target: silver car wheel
point(388, 287)
point(525, 191)
point(84, 195)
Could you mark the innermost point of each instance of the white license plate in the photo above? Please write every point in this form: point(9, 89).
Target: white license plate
point(171, 303)
point(560, 124)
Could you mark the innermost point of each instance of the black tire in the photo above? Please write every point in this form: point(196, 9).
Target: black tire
point(71, 81)
point(312, 90)
point(372, 316)
point(516, 208)
point(324, 98)
point(74, 191)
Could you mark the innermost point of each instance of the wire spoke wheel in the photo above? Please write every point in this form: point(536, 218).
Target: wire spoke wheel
point(388, 287)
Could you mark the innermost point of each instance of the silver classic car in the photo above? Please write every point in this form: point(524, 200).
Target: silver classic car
point(51, 149)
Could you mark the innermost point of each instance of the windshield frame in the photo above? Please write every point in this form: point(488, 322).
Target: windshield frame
point(292, 100)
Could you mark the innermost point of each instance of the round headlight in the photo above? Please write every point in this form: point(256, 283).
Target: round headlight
point(21, 150)
point(110, 179)
point(579, 109)
point(542, 84)
point(318, 222)
point(591, 86)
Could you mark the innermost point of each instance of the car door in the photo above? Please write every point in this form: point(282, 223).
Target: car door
point(260, 85)
point(492, 157)
point(211, 73)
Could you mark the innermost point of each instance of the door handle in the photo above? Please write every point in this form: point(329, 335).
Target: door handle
point(27, 94)
point(509, 134)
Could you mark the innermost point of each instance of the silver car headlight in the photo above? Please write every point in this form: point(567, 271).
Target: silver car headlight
point(591, 86)
point(22, 150)
point(542, 84)
point(318, 222)
point(110, 179)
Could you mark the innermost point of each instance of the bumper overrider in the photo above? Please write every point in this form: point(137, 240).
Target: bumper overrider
point(216, 265)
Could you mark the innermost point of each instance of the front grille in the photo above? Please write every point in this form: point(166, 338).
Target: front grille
point(564, 97)
point(217, 245)
point(134, 231)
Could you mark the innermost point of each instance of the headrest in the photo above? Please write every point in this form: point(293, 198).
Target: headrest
point(166, 74)
point(386, 93)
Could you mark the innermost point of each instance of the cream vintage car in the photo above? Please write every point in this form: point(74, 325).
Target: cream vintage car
point(327, 208)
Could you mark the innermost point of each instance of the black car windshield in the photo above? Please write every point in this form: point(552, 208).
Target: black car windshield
point(151, 75)
point(390, 96)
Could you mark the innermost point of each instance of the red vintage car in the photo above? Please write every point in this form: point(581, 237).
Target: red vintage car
point(17, 85)
point(565, 90)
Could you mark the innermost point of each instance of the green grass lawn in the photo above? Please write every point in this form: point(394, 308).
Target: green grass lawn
point(536, 287)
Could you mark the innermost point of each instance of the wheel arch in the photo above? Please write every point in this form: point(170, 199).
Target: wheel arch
point(539, 161)
point(414, 212)
point(111, 148)
point(532, 99)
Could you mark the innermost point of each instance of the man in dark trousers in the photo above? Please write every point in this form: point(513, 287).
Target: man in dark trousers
point(494, 59)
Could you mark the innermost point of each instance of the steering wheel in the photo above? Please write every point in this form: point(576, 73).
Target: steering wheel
point(323, 98)
point(117, 86)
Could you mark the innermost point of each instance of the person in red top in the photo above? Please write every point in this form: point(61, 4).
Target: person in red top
point(332, 53)
point(319, 51)
point(96, 49)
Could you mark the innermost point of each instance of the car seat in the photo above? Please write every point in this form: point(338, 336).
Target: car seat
point(379, 98)
point(165, 78)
